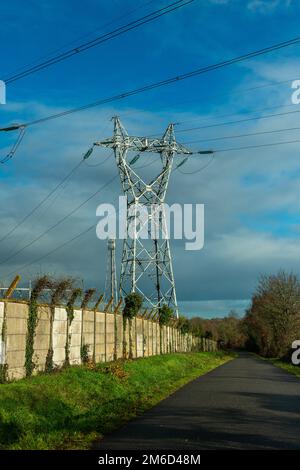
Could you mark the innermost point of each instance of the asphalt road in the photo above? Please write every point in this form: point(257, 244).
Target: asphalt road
point(244, 404)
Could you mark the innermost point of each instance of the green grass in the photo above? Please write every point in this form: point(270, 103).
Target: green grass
point(71, 408)
point(286, 366)
point(295, 370)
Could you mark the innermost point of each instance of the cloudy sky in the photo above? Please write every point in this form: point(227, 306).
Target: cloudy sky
point(251, 196)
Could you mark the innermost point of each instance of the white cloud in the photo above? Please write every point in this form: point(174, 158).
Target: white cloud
point(244, 246)
point(266, 6)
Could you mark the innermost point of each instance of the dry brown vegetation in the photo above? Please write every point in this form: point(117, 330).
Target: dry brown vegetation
point(270, 325)
point(227, 331)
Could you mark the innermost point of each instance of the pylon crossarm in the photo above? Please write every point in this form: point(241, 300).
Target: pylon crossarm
point(143, 144)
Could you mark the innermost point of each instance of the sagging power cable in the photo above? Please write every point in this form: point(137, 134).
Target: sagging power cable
point(59, 222)
point(239, 136)
point(34, 209)
point(17, 143)
point(64, 244)
point(194, 172)
point(168, 81)
point(100, 39)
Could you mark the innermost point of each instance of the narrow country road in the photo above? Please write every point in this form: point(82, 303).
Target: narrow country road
point(245, 404)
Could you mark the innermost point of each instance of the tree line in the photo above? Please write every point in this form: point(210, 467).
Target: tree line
point(270, 324)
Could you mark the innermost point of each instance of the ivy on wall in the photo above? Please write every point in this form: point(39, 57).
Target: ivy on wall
point(84, 348)
point(84, 354)
point(3, 367)
point(58, 293)
point(3, 373)
point(133, 303)
point(31, 327)
point(164, 316)
point(75, 294)
point(39, 285)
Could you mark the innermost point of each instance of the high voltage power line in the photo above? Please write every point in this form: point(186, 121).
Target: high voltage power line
point(233, 149)
point(83, 36)
point(230, 93)
point(238, 113)
point(228, 123)
point(59, 222)
point(159, 84)
point(100, 39)
point(238, 136)
point(67, 242)
point(34, 209)
point(199, 169)
point(43, 234)
point(48, 195)
point(270, 144)
point(247, 147)
point(241, 90)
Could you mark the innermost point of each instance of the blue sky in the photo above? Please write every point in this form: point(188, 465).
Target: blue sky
point(252, 209)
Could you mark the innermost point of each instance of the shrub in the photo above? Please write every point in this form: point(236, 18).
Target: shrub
point(39, 285)
point(77, 292)
point(133, 303)
point(59, 289)
point(183, 325)
point(87, 297)
point(165, 314)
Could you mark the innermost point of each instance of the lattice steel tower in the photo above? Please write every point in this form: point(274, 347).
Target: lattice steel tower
point(111, 289)
point(146, 266)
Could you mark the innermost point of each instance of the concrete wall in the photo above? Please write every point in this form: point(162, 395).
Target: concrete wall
point(42, 338)
point(15, 318)
point(101, 332)
point(75, 338)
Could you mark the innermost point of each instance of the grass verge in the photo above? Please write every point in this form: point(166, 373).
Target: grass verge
point(286, 366)
point(71, 408)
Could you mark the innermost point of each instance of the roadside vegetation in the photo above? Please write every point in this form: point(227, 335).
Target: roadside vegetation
point(295, 370)
point(272, 322)
point(270, 325)
point(227, 331)
point(71, 408)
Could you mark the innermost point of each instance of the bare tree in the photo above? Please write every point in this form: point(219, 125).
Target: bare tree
point(273, 320)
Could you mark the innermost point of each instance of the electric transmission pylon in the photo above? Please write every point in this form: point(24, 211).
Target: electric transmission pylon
point(111, 290)
point(146, 266)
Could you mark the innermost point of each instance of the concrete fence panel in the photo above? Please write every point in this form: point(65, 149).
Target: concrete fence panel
point(15, 318)
point(101, 333)
point(41, 338)
point(100, 337)
point(74, 339)
point(59, 333)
